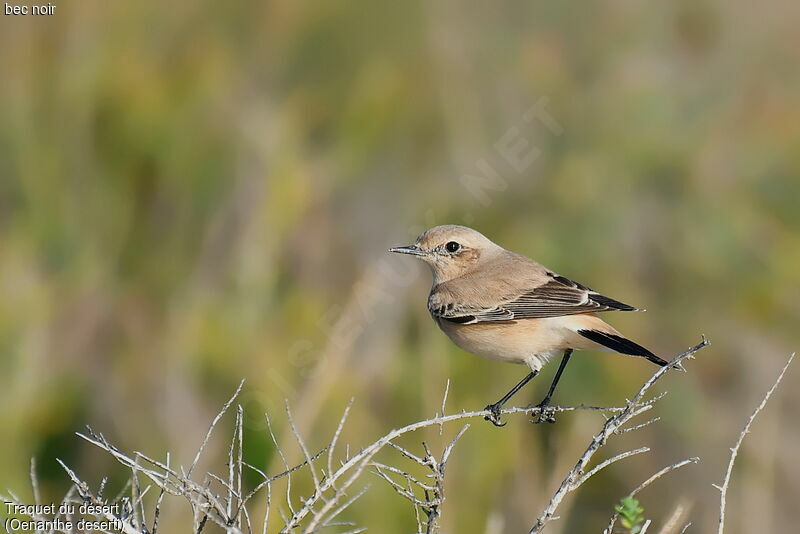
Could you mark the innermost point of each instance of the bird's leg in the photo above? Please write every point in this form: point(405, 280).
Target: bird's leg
point(494, 409)
point(545, 415)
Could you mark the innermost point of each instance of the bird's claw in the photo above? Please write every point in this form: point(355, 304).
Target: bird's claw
point(546, 414)
point(494, 415)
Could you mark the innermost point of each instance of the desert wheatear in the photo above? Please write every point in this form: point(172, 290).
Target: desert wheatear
point(500, 305)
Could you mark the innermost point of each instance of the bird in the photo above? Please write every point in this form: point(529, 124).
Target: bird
point(504, 306)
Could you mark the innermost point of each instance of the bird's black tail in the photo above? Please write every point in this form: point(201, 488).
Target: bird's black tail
point(621, 345)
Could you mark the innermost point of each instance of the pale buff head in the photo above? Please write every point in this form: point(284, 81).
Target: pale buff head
point(450, 250)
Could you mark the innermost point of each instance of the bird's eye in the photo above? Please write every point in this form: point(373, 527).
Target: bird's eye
point(452, 247)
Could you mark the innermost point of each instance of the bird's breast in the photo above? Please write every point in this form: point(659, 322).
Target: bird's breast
point(510, 341)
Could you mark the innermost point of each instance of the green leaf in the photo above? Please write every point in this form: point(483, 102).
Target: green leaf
point(631, 514)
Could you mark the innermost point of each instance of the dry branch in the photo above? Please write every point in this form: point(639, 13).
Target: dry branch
point(577, 476)
point(224, 501)
point(609, 529)
point(723, 489)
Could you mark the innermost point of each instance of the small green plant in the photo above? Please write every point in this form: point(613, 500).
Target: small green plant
point(630, 514)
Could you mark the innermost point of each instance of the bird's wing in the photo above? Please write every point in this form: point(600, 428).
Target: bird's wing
point(554, 297)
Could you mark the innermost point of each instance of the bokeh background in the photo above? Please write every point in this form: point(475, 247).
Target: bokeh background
point(193, 193)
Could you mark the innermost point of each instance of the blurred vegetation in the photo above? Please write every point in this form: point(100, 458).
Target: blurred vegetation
point(200, 192)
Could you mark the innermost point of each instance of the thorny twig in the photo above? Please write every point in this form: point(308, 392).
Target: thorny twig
point(333, 488)
point(576, 476)
point(333, 483)
point(433, 494)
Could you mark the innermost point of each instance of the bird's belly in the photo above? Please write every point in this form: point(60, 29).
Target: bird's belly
point(513, 341)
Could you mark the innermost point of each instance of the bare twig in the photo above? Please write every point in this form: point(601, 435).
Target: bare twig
point(159, 500)
point(227, 510)
point(723, 489)
point(635, 406)
point(222, 500)
point(345, 505)
point(338, 433)
point(661, 473)
point(643, 485)
point(124, 524)
point(37, 496)
point(136, 497)
point(438, 495)
point(639, 426)
point(605, 463)
point(342, 478)
point(211, 428)
point(444, 403)
point(302, 444)
point(433, 494)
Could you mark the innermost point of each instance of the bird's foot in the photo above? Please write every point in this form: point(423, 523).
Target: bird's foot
point(544, 413)
point(494, 414)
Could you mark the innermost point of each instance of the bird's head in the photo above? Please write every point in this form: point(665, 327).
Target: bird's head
point(450, 250)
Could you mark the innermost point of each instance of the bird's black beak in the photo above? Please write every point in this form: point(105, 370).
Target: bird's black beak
point(410, 249)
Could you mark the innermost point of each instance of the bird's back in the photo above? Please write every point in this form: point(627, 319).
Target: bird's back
point(494, 280)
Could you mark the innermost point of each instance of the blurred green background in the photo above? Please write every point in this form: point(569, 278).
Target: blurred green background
point(192, 193)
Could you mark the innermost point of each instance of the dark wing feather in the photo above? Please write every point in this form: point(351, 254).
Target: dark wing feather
point(621, 345)
point(557, 297)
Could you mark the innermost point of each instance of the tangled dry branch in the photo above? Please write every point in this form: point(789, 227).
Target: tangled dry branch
point(336, 477)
